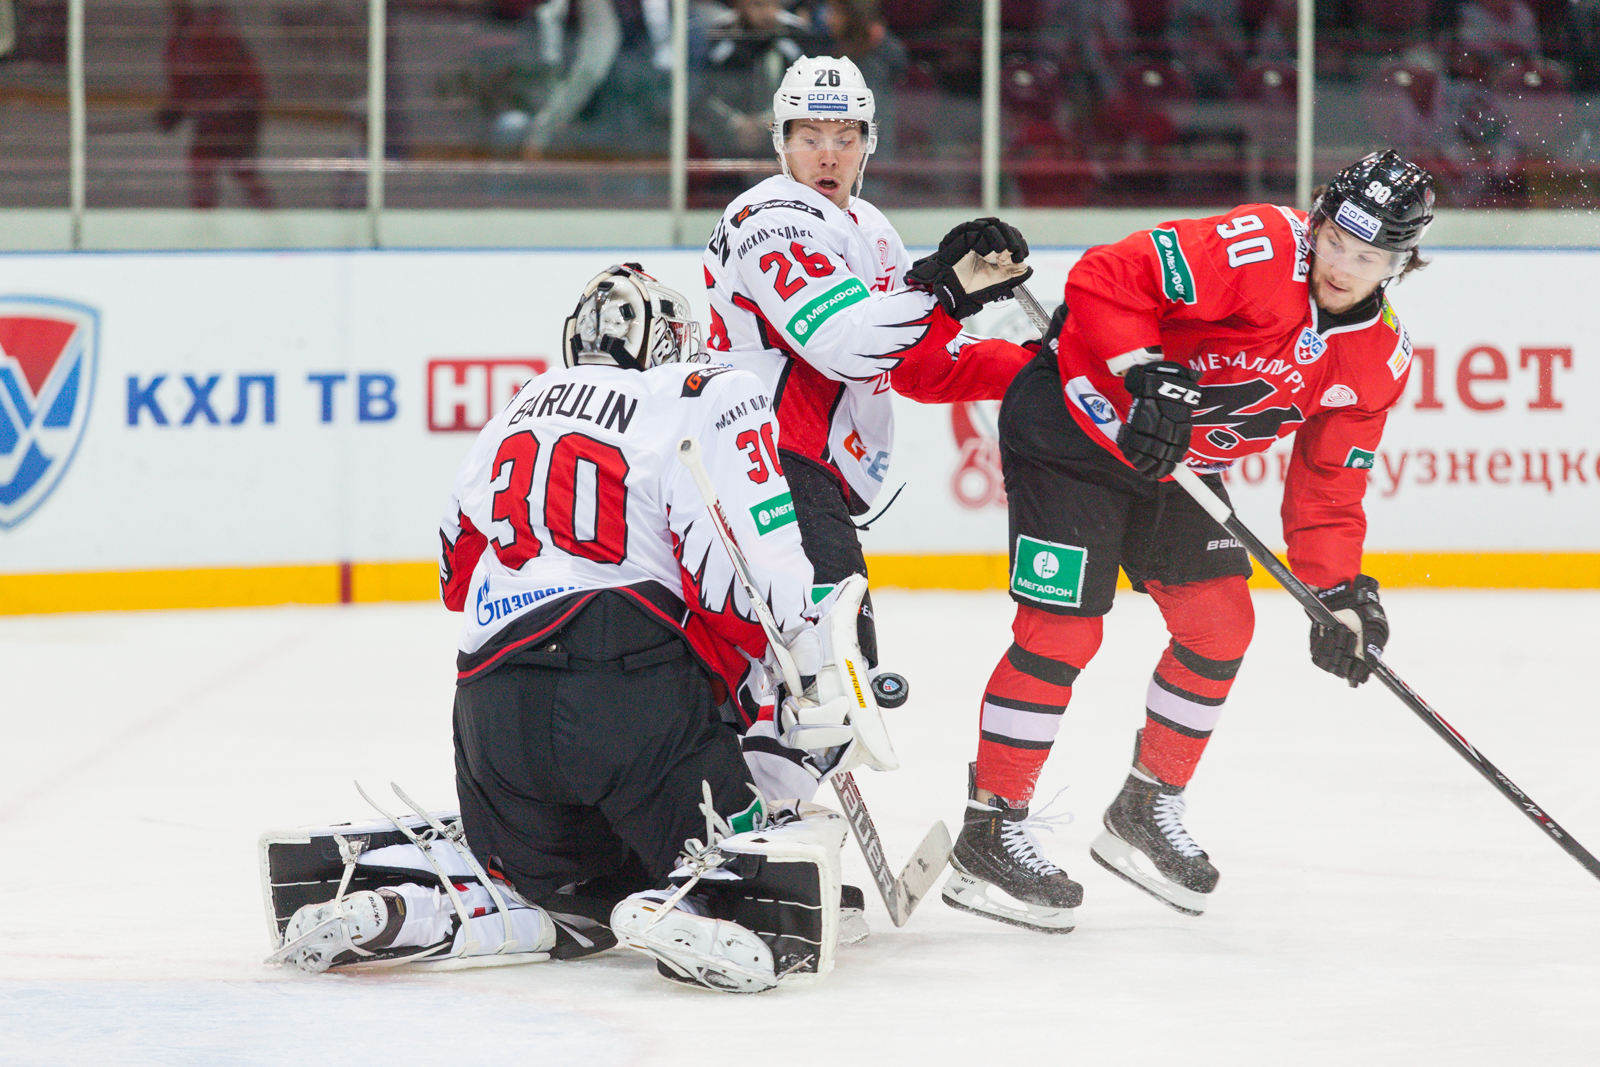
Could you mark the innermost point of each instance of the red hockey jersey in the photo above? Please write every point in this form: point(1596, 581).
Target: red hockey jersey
point(1230, 297)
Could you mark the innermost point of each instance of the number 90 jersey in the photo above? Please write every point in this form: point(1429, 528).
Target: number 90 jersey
point(1229, 296)
point(575, 487)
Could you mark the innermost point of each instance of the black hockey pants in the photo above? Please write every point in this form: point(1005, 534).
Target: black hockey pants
point(581, 760)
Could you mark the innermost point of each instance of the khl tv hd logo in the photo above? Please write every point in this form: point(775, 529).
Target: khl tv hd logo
point(49, 351)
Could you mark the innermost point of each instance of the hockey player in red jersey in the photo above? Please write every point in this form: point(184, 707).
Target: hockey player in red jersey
point(596, 726)
point(812, 289)
point(1199, 341)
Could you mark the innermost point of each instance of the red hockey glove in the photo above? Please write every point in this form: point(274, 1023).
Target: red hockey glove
point(1343, 650)
point(977, 262)
point(1156, 434)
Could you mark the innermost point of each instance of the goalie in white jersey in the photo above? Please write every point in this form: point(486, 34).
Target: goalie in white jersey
point(596, 718)
point(812, 289)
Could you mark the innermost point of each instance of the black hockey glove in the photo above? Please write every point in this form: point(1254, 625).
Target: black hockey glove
point(1339, 650)
point(977, 262)
point(1156, 434)
point(1049, 340)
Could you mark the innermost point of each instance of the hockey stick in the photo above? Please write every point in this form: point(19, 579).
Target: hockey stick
point(1214, 506)
point(901, 894)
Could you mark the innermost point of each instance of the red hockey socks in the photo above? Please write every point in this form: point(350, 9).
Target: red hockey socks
point(1211, 624)
point(1026, 696)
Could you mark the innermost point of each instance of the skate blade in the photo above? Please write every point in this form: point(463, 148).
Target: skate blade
point(966, 893)
point(1118, 857)
point(853, 927)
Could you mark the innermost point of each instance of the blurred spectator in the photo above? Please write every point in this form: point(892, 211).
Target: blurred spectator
point(1039, 154)
point(1503, 29)
point(857, 31)
point(1420, 112)
point(746, 48)
point(613, 94)
point(214, 80)
point(1583, 36)
point(1207, 38)
point(1274, 38)
point(1093, 37)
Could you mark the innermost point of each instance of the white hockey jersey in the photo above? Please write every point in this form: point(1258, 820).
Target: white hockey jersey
point(811, 298)
point(575, 487)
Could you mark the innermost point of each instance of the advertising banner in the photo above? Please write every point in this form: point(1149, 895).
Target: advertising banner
point(205, 411)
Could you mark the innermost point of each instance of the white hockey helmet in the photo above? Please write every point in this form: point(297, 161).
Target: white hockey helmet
point(823, 87)
point(627, 318)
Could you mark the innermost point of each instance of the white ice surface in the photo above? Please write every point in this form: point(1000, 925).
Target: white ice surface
point(1380, 903)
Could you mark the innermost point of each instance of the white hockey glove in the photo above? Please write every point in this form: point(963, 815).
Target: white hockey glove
point(836, 718)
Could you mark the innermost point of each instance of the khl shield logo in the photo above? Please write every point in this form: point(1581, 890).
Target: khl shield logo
point(49, 351)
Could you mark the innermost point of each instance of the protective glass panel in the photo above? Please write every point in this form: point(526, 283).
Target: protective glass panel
point(1126, 103)
point(240, 105)
point(33, 103)
point(920, 58)
point(1485, 94)
point(518, 103)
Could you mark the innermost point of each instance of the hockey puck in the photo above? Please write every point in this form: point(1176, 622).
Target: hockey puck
point(890, 690)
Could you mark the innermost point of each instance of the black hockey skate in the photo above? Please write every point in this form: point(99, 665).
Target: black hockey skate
point(1145, 843)
point(995, 851)
point(853, 927)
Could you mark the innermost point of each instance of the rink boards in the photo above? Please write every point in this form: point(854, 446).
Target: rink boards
point(197, 429)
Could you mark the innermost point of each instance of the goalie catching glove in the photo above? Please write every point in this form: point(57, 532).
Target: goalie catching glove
point(977, 262)
point(835, 718)
point(1343, 650)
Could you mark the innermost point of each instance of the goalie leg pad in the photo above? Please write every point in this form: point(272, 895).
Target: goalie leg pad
point(430, 918)
point(320, 936)
point(693, 948)
point(311, 926)
point(789, 890)
point(778, 886)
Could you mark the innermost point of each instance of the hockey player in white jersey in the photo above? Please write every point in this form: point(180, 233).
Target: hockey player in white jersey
point(812, 289)
point(596, 730)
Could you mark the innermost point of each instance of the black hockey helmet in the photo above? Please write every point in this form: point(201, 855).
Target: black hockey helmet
point(627, 318)
point(1382, 199)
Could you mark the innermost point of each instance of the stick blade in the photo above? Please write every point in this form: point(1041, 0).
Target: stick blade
point(921, 871)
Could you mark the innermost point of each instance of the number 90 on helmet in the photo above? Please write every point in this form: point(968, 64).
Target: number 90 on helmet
point(628, 319)
point(1382, 199)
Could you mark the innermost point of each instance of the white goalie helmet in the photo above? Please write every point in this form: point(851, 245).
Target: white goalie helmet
point(826, 88)
point(627, 318)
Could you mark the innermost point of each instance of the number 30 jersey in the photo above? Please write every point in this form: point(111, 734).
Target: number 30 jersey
point(575, 487)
